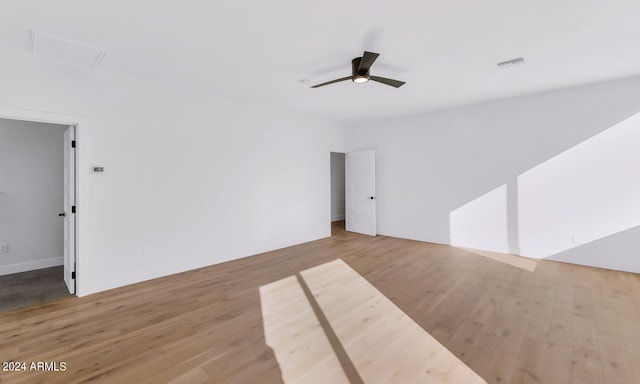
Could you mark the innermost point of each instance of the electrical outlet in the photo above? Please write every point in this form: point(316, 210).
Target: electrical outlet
point(146, 251)
point(4, 247)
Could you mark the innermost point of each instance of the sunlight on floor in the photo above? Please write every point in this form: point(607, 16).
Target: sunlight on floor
point(296, 336)
point(383, 343)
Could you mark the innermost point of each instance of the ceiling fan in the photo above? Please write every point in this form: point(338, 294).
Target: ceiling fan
point(360, 72)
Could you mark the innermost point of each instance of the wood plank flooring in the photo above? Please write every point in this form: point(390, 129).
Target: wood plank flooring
point(560, 323)
point(384, 344)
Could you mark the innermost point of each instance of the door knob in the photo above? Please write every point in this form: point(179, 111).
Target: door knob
point(62, 214)
point(371, 197)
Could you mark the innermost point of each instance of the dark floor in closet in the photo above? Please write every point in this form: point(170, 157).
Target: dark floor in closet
point(27, 288)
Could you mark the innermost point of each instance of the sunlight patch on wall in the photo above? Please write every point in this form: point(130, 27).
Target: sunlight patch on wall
point(584, 194)
point(482, 223)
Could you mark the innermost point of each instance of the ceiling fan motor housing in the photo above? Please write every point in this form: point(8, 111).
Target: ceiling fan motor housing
point(363, 74)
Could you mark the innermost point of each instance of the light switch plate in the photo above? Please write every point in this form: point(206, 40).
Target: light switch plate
point(97, 193)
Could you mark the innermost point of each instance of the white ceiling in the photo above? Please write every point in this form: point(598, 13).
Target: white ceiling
point(446, 50)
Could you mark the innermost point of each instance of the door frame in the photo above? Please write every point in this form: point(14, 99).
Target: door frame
point(80, 123)
point(331, 179)
point(344, 152)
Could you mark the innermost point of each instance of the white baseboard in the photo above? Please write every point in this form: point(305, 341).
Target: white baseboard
point(337, 218)
point(30, 265)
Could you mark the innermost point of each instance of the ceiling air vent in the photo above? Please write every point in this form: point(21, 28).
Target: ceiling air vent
point(512, 63)
point(60, 47)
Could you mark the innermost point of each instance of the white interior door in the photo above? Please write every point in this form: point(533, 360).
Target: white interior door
point(361, 192)
point(69, 210)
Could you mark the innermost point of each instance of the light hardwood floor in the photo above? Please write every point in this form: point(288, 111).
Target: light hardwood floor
point(560, 323)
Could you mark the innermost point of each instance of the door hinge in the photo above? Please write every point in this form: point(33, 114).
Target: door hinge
point(73, 143)
point(73, 209)
point(73, 274)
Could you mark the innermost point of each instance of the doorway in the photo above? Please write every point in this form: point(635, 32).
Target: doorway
point(353, 191)
point(36, 235)
point(338, 204)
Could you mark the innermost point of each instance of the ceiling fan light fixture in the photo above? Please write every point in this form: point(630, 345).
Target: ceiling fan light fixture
point(360, 79)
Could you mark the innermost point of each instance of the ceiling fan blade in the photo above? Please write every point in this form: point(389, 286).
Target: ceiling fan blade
point(367, 61)
point(331, 82)
point(384, 80)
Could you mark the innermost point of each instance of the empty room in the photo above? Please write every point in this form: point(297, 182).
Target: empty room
point(319, 192)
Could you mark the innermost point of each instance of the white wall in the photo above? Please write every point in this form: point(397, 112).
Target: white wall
point(31, 186)
point(337, 186)
point(539, 175)
point(197, 177)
